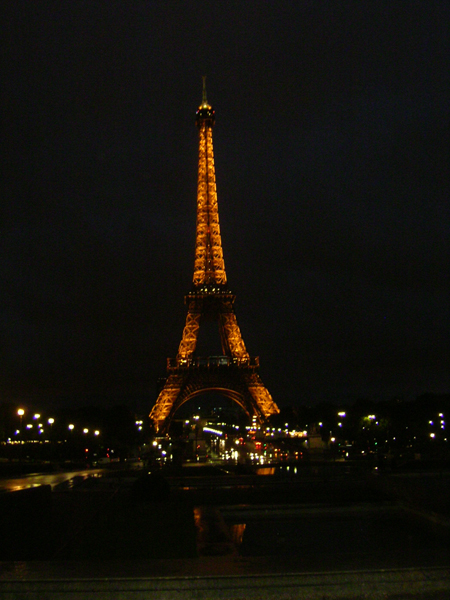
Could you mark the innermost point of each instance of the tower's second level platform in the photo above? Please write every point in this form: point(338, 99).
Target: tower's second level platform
point(212, 362)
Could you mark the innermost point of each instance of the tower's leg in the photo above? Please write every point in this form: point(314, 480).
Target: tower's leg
point(262, 400)
point(190, 334)
point(231, 337)
point(166, 400)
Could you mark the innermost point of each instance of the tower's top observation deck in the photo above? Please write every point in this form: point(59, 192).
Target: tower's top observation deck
point(205, 111)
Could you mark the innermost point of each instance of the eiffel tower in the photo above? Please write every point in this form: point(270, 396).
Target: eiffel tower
point(234, 374)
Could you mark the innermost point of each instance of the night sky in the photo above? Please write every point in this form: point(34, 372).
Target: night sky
point(332, 160)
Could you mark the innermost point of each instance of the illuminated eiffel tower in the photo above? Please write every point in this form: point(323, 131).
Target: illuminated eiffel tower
point(234, 374)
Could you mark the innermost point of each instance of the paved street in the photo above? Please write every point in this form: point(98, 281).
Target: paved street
point(35, 479)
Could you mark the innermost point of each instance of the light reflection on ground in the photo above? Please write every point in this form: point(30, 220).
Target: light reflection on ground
point(52, 479)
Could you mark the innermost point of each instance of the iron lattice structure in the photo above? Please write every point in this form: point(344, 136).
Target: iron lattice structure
point(235, 372)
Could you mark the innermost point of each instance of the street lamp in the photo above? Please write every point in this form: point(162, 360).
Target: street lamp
point(20, 412)
point(50, 422)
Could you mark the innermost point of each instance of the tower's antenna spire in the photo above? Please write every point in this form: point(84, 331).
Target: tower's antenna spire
point(204, 100)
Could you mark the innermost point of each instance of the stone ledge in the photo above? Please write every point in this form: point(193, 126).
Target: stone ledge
point(401, 584)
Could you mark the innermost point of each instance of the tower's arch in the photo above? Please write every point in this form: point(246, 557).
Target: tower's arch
point(233, 395)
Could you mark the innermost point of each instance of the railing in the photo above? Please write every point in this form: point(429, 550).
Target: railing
point(212, 362)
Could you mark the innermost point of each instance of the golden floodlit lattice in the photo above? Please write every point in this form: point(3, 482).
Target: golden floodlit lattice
point(234, 374)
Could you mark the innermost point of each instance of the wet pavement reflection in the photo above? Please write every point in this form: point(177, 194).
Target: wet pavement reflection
point(66, 479)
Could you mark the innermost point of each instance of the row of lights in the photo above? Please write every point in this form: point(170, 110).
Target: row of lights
point(50, 421)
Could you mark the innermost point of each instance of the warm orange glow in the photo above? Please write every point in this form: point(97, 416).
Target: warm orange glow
point(237, 533)
point(188, 375)
point(209, 266)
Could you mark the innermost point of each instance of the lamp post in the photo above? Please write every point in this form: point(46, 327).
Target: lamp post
point(50, 421)
point(20, 412)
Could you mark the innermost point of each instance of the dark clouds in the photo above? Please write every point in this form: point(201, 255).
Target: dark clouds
point(332, 165)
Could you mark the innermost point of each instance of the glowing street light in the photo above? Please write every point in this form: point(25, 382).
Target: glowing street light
point(36, 416)
point(85, 430)
point(96, 432)
point(50, 421)
point(20, 412)
point(71, 427)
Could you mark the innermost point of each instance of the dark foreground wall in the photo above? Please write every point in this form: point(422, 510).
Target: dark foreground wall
point(26, 523)
point(190, 584)
point(38, 524)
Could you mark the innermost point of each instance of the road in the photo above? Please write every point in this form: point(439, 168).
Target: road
point(35, 479)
